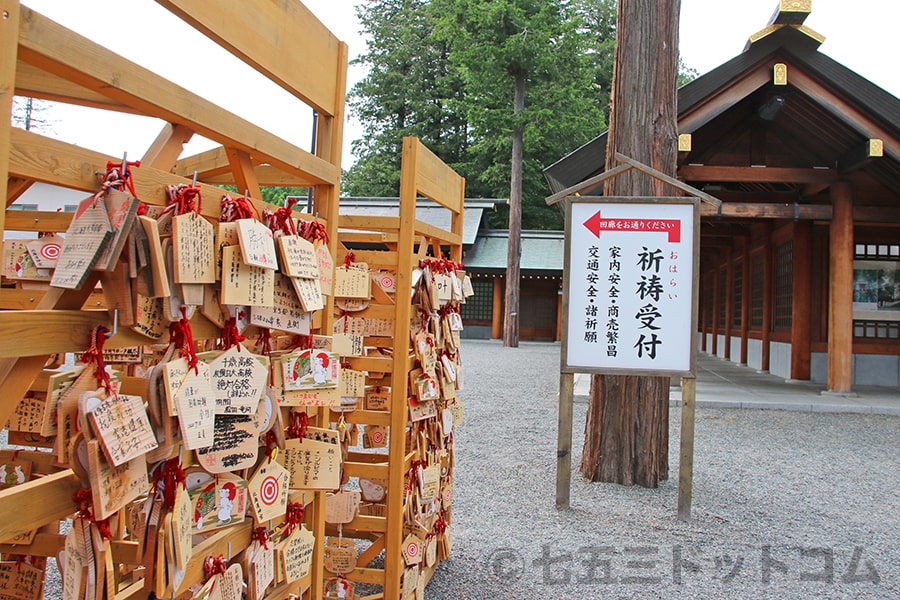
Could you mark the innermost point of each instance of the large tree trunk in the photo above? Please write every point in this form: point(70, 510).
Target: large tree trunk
point(514, 252)
point(627, 429)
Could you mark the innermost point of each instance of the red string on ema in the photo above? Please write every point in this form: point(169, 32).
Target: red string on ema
point(183, 199)
point(230, 334)
point(118, 176)
point(282, 219)
point(214, 566)
point(93, 355)
point(299, 421)
point(293, 518)
point(312, 231)
point(182, 338)
point(233, 209)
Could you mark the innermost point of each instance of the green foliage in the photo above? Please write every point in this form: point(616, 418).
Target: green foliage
point(444, 71)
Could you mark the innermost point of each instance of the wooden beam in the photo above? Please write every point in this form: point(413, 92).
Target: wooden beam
point(51, 47)
point(243, 173)
point(209, 164)
point(860, 155)
point(762, 210)
point(847, 113)
point(37, 221)
point(15, 187)
point(716, 104)
point(801, 301)
point(756, 174)
point(306, 65)
point(266, 175)
point(791, 12)
point(38, 83)
point(9, 26)
point(167, 147)
point(575, 190)
point(47, 499)
point(44, 159)
point(688, 189)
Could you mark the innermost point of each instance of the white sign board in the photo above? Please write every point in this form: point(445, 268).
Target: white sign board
point(630, 286)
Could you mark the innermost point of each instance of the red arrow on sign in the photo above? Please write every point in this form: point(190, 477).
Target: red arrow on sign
point(671, 227)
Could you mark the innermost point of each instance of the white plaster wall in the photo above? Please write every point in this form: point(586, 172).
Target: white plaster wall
point(780, 359)
point(720, 346)
point(754, 353)
point(735, 349)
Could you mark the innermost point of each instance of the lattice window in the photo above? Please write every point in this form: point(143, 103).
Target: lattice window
point(784, 284)
point(885, 330)
point(757, 285)
point(876, 251)
point(480, 307)
point(723, 297)
point(738, 294)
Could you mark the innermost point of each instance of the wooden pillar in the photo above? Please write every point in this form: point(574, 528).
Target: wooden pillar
point(497, 308)
point(801, 306)
point(746, 298)
point(840, 289)
point(729, 301)
point(704, 320)
point(715, 311)
point(9, 41)
point(768, 299)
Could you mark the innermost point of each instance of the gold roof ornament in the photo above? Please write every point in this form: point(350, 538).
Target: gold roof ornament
point(788, 13)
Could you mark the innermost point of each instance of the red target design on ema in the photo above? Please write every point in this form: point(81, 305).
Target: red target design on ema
point(269, 490)
point(378, 437)
point(412, 550)
point(50, 251)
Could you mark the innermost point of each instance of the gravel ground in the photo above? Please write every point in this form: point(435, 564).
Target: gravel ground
point(785, 504)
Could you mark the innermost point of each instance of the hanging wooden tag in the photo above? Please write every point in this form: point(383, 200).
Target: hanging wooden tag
point(121, 208)
point(311, 369)
point(244, 284)
point(28, 414)
point(71, 565)
point(235, 445)
point(352, 384)
point(173, 304)
point(286, 313)
point(14, 472)
point(443, 284)
point(431, 479)
point(296, 554)
point(122, 424)
point(114, 487)
point(340, 555)
point(268, 489)
point(194, 249)
point(375, 436)
point(174, 374)
point(262, 571)
point(193, 294)
point(308, 292)
point(378, 398)
point(326, 269)
point(302, 397)
point(226, 235)
point(419, 410)
point(257, 244)
point(67, 413)
point(21, 581)
point(313, 465)
point(412, 550)
point(218, 502)
point(298, 257)
point(196, 404)
point(342, 506)
point(149, 318)
point(85, 238)
point(159, 275)
point(45, 251)
point(467, 289)
point(182, 522)
point(57, 383)
point(340, 588)
point(231, 583)
point(238, 378)
point(352, 283)
point(212, 307)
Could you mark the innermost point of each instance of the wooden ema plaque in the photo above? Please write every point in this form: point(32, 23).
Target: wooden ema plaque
point(243, 284)
point(268, 489)
point(238, 378)
point(45, 251)
point(286, 313)
point(257, 244)
point(193, 245)
point(121, 208)
point(113, 487)
point(235, 444)
point(296, 554)
point(85, 239)
point(196, 409)
point(309, 292)
point(298, 257)
point(122, 424)
point(314, 465)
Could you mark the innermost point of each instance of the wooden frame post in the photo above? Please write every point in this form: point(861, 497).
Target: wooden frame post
point(686, 456)
point(840, 291)
point(801, 315)
point(564, 439)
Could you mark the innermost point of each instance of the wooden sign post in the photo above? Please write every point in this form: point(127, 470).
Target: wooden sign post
point(629, 304)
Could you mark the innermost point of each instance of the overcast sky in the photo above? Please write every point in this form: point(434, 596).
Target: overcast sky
point(860, 34)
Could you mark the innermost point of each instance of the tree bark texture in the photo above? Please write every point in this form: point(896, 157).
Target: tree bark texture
point(627, 428)
point(514, 250)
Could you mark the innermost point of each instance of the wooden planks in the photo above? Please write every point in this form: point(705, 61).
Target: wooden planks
point(51, 47)
point(264, 34)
